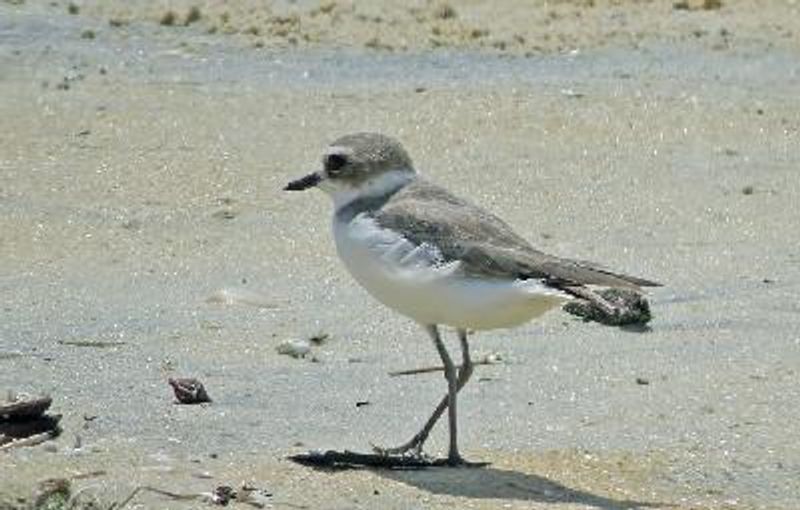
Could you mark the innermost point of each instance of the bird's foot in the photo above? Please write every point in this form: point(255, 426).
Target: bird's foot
point(412, 449)
point(457, 461)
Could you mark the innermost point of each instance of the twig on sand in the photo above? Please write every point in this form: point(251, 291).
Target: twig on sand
point(489, 359)
point(100, 344)
point(220, 496)
point(137, 490)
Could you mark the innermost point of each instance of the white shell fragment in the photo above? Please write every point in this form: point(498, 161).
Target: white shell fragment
point(239, 296)
point(494, 358)
point(294, 348)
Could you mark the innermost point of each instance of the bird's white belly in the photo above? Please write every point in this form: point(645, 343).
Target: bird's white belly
point(414, 281)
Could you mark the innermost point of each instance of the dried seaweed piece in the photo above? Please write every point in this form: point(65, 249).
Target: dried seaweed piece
point(22, 408)
point(20, 429)
point(223, 495)
point(53, 493)
point(628, 307)
point(23, 422)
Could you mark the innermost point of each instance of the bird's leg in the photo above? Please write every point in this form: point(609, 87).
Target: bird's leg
point(453, 457)
point(452, 392)
point(464, 373)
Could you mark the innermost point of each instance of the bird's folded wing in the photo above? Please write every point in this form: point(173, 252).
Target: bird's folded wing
point(483, 243)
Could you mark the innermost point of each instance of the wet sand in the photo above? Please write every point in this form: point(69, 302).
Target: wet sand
point(141, 172)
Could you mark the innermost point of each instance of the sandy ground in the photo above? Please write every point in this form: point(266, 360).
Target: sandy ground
point(141, 170)
point(509, 27)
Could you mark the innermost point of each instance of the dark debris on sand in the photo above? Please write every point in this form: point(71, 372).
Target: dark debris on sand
point(24, 422)
point(189, 390)
point(631, 308)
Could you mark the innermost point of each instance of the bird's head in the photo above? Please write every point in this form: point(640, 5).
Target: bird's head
point(357, 165)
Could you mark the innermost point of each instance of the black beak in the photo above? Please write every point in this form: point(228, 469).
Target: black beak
point(309, 181)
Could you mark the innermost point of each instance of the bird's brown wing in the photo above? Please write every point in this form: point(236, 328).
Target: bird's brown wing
point(484, 244)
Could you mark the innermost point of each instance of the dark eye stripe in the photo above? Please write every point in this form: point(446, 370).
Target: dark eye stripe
point(335, 162)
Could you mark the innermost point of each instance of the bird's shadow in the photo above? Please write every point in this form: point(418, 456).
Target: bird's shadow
point(494, 483)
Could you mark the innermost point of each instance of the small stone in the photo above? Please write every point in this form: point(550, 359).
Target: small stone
point(445, 11)
point(193, 15)
point(477, 33)
point(748, 190)
point(168, 18)
point(189, 390)
point(642, 381)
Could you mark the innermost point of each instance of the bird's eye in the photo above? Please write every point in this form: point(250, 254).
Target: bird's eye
point(334, 163)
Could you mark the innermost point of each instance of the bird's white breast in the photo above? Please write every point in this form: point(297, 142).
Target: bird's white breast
point(416, 281)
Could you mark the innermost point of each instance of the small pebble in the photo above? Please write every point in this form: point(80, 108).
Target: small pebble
point(193, 15)
point(494, 358)
point(294, 348)
point(168, 19)
point(572, 93)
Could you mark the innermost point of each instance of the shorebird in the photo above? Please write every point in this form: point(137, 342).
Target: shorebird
point(440, 259)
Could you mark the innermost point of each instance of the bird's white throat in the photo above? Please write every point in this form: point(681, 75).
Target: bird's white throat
point(378, 186)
